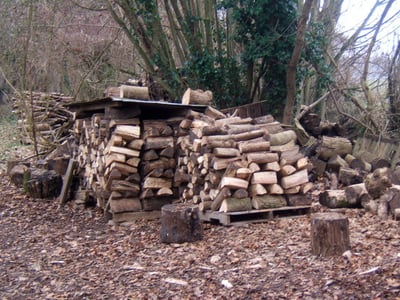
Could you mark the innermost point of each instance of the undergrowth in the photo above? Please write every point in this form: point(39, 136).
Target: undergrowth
point(10, 137)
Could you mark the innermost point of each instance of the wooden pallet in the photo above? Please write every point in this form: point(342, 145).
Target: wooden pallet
point(253, 216)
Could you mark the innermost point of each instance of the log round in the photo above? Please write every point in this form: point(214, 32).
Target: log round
point(329, 234)
point(44, 184)
point(197, 97)
point(180, 223)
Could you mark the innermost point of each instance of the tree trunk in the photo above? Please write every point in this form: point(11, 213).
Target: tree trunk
point(291, 70)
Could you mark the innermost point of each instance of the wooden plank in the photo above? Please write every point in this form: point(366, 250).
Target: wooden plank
point(67, 181)
point(253, 216)
point(135, 216)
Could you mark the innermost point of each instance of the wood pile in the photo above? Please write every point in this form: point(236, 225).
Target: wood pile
point(127, 165)
point(43, 117)
point(131, 165)
point(235, 164)
point(355, 182)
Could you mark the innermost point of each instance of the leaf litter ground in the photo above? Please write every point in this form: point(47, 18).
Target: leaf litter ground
point(73, 253)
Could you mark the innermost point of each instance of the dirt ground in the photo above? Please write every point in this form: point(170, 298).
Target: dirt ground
point(74, 253)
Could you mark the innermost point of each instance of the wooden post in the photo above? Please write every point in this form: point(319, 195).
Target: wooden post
point(180, 223)
point(329, 234)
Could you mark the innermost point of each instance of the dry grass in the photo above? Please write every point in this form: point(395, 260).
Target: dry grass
point(10, 138)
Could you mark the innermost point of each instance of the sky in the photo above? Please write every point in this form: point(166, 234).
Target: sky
point(355, 11)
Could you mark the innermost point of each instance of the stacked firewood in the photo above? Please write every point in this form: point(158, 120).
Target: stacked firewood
point(122, 159)
point(44, 118)
point(127, 165)
point(91, 136)
point(235, 164)
point(158, 164)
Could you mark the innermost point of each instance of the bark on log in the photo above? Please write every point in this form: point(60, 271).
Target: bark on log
point(336, 162)
point(283, 138)
point(354, 193)
point(235, 204)
point(349, 176)
point(299, 200)
point(262, 157)
point(268, 201)
point(378, 163)
point(334, 199)
point(248, 146)
point(18, 174)
point(329, 234)
point(180, 223)
point(394, 201)
point(334, 145)
point(378, 182)
point(44, 184)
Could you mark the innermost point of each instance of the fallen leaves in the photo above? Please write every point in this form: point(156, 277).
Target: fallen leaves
point(75, 254)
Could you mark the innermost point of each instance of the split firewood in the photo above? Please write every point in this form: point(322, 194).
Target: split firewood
point(287, 170)
point(257, 190)
point(294, 179)
point(306, 187)
point(272, 166)
point(275, 189)
point(334, 199)
point(292, 190)
point(290, 160)
point(265, 177)
point(127, 132)
point(125, 151)
point(234, 183)
point(222, 194)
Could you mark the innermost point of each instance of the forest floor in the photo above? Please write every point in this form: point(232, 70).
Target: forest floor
point(74, 253)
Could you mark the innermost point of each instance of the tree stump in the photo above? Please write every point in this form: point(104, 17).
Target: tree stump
point(44, 184)
point(180, 223)
point(329, 234)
